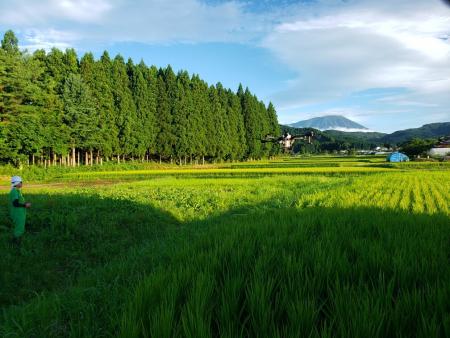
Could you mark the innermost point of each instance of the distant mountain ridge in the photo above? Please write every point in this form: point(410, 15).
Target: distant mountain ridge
point(367, 135)
point(330, 122)
point(431, 130)
point(340, 127)
point(332, 139)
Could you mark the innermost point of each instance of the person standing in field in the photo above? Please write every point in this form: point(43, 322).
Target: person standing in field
point(17, 208)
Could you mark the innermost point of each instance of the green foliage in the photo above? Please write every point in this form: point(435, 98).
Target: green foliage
point(258, 122)
point(23, 99)
point(290, 273)
point(417, 146)
point(10, 43)
point(55, 108)
point(125, 108)
point(143, 87)
point(183, 110)
point(166, 138)
point(79, 113)
point(427, 131)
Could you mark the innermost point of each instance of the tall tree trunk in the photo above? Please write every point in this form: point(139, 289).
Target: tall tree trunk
point(203, 160)
point(74, 158)
point(92, 158)
point(79, 158)
point(32, 158)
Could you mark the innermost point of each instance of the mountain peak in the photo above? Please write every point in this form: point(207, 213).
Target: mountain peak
point(330, 122)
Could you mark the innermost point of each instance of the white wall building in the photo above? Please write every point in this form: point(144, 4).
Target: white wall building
point(439, 151)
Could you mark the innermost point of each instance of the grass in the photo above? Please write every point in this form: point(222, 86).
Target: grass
point(290, 273)
point(272, 249)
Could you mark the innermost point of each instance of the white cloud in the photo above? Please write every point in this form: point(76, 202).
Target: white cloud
point(145, 21)
point(81, 10)
point(338, 50)
point(39, 13)
point(48, 38)
point(171, 21)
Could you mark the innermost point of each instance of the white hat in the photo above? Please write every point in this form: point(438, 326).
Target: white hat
point(15, 180)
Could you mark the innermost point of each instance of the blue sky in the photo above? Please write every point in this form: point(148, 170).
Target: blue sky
point(384, 64)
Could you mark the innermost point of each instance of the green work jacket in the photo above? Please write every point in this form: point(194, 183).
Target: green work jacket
point(18, 214)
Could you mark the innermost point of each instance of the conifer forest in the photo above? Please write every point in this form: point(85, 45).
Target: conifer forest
point(57, 108)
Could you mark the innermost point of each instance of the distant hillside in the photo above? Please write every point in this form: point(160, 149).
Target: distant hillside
point(331, 122)
point(338, 140)
point(331, 140)
point(335, 135)
point(363, 135)
point(432, 130)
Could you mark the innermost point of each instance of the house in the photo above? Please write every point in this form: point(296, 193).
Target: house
point(442, 148)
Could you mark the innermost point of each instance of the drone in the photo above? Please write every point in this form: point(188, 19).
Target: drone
point(286, 141)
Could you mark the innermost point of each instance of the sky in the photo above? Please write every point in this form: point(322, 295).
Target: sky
point(384, 64)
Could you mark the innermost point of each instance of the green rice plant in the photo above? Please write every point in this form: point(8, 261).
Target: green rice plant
point(279, 248)
point(337, 277)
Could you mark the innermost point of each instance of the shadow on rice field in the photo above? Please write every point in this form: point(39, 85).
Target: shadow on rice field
point(69, 234)
point(317, 272)
point(93, 266)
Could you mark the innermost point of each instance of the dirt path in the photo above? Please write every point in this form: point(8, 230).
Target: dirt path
point(62, 185)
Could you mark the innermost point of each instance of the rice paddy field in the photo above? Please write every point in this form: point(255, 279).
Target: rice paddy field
point(294, 247)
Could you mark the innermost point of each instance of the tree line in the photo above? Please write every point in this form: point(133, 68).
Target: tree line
point(56, 108)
